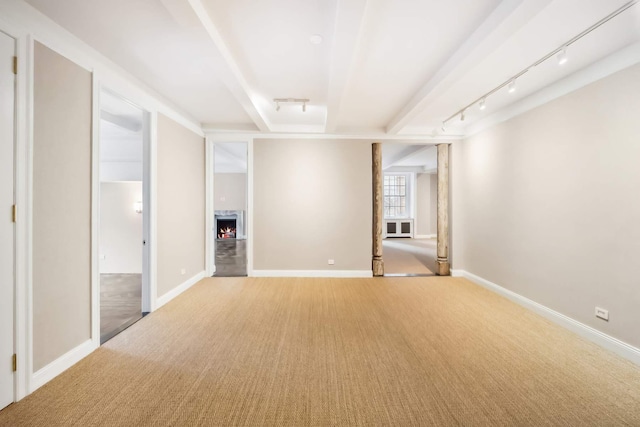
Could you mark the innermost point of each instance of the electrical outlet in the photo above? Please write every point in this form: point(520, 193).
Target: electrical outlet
point(602, 313)
point(331, 262)
point(183, 271)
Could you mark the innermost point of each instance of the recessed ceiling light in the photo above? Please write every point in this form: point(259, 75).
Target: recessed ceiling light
point(315, 39)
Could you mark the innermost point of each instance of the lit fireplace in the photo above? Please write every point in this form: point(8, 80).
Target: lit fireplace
point(226, 228)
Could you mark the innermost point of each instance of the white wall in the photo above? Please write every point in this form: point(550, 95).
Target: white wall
point(181, 204)
point(230, 191)
point(120, 228)
point(312, 202)
point(551, 206)
point(426, 199)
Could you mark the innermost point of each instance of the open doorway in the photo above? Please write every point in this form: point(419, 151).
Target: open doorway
point(123, 220)
point(410, 209)
point(230, 209)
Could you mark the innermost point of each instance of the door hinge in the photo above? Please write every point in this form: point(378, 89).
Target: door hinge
point(14, 213)
point(15, 65)
point(14, 362)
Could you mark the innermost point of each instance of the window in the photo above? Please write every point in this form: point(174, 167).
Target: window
point(396, 190)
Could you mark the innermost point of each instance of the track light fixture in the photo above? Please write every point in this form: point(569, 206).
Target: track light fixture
point(562, 56)
point(302, 101)
point(560, 52)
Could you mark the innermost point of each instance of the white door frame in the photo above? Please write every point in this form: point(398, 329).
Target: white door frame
point(23, 119)
point(210, 210)
point(9, 224)
point(149, 291)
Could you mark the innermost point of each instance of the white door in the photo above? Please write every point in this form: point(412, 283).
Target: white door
point(7, 93)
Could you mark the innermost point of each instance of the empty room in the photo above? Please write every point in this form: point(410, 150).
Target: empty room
point(319, 212)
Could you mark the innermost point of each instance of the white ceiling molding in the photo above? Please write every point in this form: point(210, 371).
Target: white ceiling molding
point(348, 29)
point(373, 137)
point(505, 20)
point(618, 61)
point(231, 75)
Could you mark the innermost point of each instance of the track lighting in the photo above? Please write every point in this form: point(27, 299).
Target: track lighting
point(562, 56)
point(560, 53)
point(302, 101)
point(443, 128)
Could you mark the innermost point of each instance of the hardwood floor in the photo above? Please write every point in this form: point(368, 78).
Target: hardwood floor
point(231, 258)
point(120, 303)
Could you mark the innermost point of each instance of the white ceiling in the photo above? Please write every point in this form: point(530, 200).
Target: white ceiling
point(230, 157)
point(409, 158)
point(397, 67)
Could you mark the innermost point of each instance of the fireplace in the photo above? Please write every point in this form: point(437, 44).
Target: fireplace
point(229, 225)
point(226, 228)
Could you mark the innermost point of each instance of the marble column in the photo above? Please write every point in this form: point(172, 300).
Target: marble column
point(377, 263)
point(442, 261)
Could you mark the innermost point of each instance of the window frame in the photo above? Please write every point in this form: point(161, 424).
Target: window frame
point(408, 195)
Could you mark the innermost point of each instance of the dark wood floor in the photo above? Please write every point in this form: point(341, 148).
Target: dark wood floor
point(120, 303)
point(231, 258)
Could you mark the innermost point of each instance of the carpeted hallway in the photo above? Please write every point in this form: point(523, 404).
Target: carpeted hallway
point(298, 352)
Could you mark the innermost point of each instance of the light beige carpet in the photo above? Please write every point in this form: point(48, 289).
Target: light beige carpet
point(320, 352)
point(409, 256)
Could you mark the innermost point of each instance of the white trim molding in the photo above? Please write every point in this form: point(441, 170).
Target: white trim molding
point(600, 338)
point(162, 300)
point(61, 364)
point(312, 273)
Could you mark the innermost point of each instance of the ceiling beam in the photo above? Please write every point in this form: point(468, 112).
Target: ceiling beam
point(122, 121)
point(502, 23)
point(404, 154)
point(350, 17)
point(231, 74)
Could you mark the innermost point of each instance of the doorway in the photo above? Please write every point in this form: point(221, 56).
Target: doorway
point(409, 189)
point(123, 217)
point(230, 208)
point(7, 224)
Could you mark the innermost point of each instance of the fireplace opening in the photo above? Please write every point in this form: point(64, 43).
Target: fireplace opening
point(226, 229)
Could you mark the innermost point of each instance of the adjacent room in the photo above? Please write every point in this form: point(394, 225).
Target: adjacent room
point(230, 209)
point(410, 203)
point(121, 237)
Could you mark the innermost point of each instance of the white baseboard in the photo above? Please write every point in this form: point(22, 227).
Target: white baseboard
point(61, 364)
point(424, 236)
point(610, 343)
point(312, 273)
point(179, 289)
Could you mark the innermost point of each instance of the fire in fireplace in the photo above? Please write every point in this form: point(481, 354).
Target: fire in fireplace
point(226, 229)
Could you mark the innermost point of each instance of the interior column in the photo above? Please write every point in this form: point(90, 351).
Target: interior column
point(377, 263)
point(442, 262)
